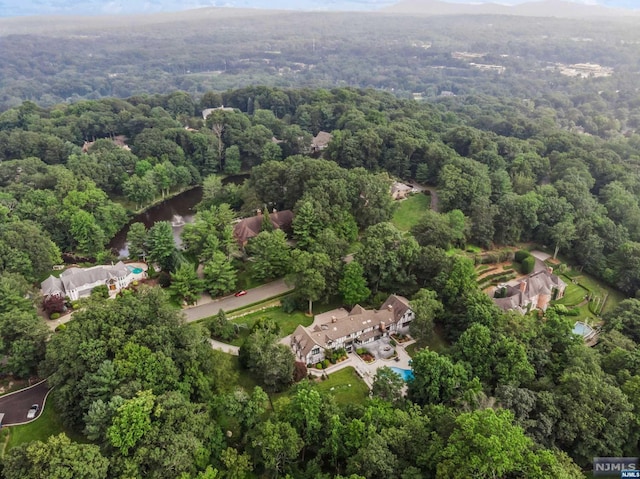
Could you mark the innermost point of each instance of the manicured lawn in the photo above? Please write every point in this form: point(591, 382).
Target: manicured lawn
point(48, 424)
point(573, 294)
point(410, 211)
point(345, 386)
point(288, 322)
point(614, 297)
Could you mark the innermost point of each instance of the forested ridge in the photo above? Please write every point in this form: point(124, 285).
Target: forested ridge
point(216, 49)
point(151, 399)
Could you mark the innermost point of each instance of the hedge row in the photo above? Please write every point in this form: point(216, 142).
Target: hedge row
point(495, 257)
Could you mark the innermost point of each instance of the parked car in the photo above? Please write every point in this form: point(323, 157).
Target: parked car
point(33, 410)
point(241, 293)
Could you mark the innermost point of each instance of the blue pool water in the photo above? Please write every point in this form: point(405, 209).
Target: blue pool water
point(405, 374)
point(135, 270)
point(582, 329)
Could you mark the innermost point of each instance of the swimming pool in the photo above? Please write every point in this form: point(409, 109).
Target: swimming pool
point(405, 374)
point(582, 329)
point(135, 270)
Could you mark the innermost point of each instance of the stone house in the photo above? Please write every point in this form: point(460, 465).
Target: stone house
point(349, 330)
point(534, 291)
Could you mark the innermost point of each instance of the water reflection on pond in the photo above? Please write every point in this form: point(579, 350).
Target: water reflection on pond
point(177, 210)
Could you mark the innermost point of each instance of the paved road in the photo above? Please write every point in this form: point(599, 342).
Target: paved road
point(16, 405)
point(435, 201)
point(255, 295)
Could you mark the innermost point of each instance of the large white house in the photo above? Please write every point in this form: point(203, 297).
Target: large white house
point(350, 329)
point(79, 282)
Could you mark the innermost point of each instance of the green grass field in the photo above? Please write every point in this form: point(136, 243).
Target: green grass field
point(288, 322)
point(345, 386)
point(48, 424)
point(573, 294)
point(410, 211)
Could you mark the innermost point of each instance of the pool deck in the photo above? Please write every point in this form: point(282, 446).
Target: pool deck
point(367, 371)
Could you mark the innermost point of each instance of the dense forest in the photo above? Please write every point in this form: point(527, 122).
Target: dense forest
point(143, 395)
point(216, 49)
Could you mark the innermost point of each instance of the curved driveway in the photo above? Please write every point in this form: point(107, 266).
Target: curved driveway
point(15, 405)
point(255, 295)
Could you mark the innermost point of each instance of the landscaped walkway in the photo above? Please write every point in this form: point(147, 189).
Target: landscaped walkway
point(367, 371)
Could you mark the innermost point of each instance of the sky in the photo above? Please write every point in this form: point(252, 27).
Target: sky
point(10, 8)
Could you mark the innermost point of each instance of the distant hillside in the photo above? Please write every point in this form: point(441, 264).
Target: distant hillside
point(546, 8)
point(11, 8)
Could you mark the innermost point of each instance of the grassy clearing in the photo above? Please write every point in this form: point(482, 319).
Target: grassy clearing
point(410, 211)
point(48, 424)
point(345, 386)
point(288, 322)
point(614, 297)
point(573, 294)
point(436, 342)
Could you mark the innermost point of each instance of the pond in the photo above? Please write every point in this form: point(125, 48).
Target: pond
point(178, 210)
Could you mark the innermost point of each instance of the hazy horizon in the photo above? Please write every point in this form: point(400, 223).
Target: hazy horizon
point(17, 8)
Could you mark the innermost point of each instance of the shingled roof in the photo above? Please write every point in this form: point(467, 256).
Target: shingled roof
point(525, 290)
point(250, 227)
point(74, 278)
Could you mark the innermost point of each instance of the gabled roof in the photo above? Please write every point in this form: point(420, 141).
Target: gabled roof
point(249, 227)
point(52, 285)
point(398, 187)
point(522, 293)
point(74, 278)
point(321, 140)
point(304, 341)
point(398, 304)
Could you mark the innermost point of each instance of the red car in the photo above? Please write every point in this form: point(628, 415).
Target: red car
point(241, 293)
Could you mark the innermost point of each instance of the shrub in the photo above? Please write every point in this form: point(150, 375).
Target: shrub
point(528, 264)
point(325, 364)
point(61, 327)
point(288, 304)
point(490, 258)
point(100, 291)
point(75, 305)
point(54, 315)
point(53, 304)
point(561, 309)
point(319, 366)
point(164, 279)
point(500, 293)
point(521, 255)
point(505, 255)
point(299, 371)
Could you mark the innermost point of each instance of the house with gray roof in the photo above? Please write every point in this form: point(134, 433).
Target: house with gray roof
point(79, 282)
point(534, 291)
point(349, 330)
point(321, 141)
